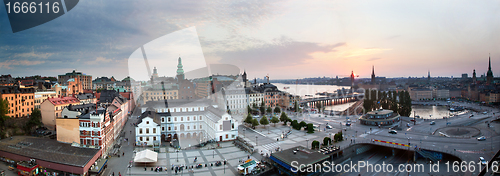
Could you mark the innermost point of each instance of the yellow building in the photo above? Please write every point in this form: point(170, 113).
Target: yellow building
point(20, 99)
point(155, 95)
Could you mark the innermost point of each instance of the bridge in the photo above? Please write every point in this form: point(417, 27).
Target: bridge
point(331, 100)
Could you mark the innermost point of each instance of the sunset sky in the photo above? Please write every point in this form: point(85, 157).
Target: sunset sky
point(282, 39)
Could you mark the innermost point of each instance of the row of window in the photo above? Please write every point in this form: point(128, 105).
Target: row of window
point(90, 133)
point(147, 138)
point(21, 109)
point(169, 119)
point(90, 124)
point(180, 109)
point(96, 142)
point(147, 130)
point(22, 97)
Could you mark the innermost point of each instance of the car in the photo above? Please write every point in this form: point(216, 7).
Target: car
point(433, 123)
point(329, 127)
point(482, 161)
point(348, 120)
point(482, 138)
point(393, 132)
point(348, 124)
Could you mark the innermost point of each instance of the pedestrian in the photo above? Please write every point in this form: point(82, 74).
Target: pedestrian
point(113, 173)
point(119, 174)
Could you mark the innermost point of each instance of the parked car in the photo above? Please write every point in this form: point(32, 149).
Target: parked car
point(482, 161)
point(393, 132)
point(433, 123)
point(347, 124)
point(329, 127)
point(482, 138)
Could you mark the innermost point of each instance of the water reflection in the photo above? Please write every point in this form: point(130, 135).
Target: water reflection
point(432, 112)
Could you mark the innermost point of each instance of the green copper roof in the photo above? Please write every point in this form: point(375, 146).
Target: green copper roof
point(180, 71)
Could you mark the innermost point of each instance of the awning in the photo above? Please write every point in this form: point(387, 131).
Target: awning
point(146, 156)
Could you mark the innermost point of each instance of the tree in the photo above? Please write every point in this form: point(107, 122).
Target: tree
point(4, 109)
point(34, 121)
point(283, 117)
point(295, 125)
point(275, 120)
point(249, 109)
point(310, 128)
point(302, 124)
point(255, 123)
point(327, 141)
point(262, 110)
point(277, 110)
point(315, 144)
point(319, 106)
point(338, 137)
point(269, 109)
point(264, 121)
point(249, 119)
point(296, 106)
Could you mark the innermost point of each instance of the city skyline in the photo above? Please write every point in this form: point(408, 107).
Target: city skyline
point(400, 39)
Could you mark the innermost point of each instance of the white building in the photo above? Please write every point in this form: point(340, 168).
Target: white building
point(236, 100)
point(147, 131)
point(197, 120)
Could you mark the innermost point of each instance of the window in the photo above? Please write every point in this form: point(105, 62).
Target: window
point(188, 127)
point(194, 127)
point(147, 138)
point(154, 130)
point(147, 130)
point(154, 138)
point(232, 125)
point(175, 128)
point(182, 119)
point(163, 119)
point(187, 118)
point(140, 138)
point(227, 136)
point(169, 128)
point(201, 118)
point(220, 127)
point(175, 119)
point(169, 119)
point(162, 128)
point(147, 122)
point(200, 127)
point(140, 130)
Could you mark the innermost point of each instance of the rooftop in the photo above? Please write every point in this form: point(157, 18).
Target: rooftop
point(48, 150)
point(379, 112)
point(63, 100)
point(303, 156)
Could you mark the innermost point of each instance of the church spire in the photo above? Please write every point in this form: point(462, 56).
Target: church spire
point(489, 74)
point(180, 71)
point(373, 74)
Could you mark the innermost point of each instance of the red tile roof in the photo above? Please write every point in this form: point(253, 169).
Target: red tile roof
point(126, 95)
point(63, 100)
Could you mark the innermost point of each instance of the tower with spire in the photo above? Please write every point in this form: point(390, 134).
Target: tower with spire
point(474, 79)
point(373, 74)
point(180, 71)
point(428, 76)
point(155, 73)
point(489, 74)
point(244, 77)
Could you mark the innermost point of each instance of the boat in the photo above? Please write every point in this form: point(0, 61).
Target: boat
point(286, 87)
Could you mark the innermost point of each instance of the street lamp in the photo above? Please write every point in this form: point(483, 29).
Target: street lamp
point(177, 155)
point(307, 143)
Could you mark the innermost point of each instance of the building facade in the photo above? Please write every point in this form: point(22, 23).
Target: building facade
point(21, 100)
point(83, 79)
point(52, 108)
